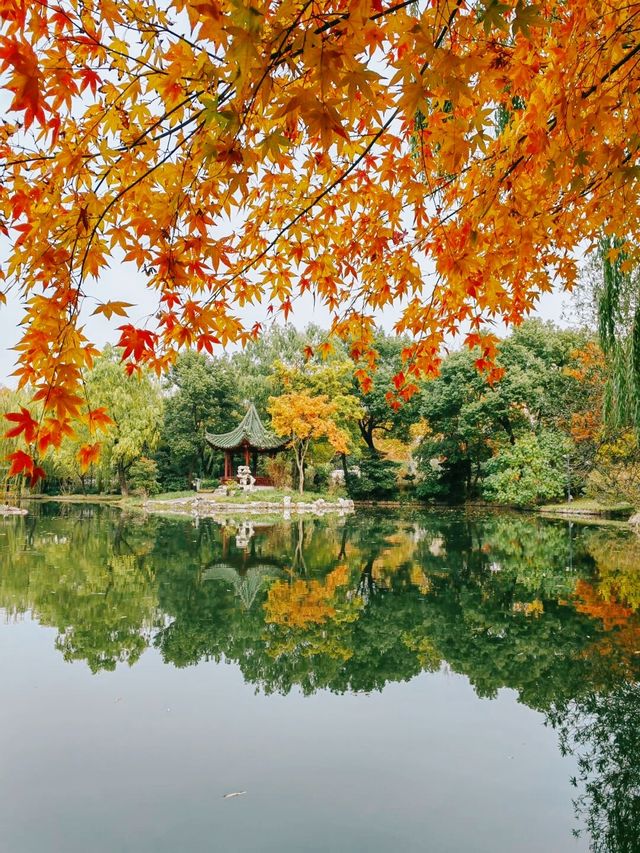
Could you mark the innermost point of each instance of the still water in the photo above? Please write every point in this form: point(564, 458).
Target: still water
point(413, 682)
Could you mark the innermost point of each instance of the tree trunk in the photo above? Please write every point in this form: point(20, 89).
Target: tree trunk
point(366, 431)
point(505, 423)
point(300, 464)
point(345, 470)
point(468, 474)
point(122, 479)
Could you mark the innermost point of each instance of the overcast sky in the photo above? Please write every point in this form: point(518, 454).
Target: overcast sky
point(122, 282)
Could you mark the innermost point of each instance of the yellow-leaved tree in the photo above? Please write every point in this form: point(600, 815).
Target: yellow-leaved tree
point(305, 419)
point(451, 156)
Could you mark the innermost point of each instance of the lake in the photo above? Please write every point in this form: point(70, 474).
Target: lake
point(415, 681)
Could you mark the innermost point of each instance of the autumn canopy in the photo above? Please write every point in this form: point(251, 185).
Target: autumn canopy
point(453, 157)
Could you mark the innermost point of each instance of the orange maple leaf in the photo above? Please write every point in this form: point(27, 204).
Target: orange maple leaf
point(111, 308)
point(88, 454)
point(136, 342)
point(99, 419)
point(21, 463)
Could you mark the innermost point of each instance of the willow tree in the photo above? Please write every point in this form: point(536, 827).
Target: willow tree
point(449, 156)
point(617, 298)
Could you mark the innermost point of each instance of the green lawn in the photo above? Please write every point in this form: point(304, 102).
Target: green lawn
point(589, 506)
point(260, 496)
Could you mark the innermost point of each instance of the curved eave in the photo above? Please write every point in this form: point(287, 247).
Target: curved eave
point(249, 432)
point(226, 442)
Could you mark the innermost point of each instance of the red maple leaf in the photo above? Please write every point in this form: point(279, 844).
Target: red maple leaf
point(24, 424)
point(25, 80)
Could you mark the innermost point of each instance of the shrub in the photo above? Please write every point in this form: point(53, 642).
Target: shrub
point(317, 477)
point(529, 472)
point(209, 484)
point(432, 483)
point(143, 476)
point(175, 484)
point(377, 479)
point(278, 470)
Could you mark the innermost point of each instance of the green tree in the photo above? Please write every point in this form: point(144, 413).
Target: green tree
point(253, 366)
point(470, 419)
point(134, 404)
point(618, 309)
point(143, 476)
point(377, 478)
point(531, 471)
point(201, 395)
point(378, 416)
point(450, 456)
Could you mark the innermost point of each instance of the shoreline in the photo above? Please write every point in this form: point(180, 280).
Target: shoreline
point(204, 505)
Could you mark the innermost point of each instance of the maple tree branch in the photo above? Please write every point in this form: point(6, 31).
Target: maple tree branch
point(553, 121)
point(345, 17)
point(127, 189)
point(163, 28)
point(616, 67)
point(346, 172)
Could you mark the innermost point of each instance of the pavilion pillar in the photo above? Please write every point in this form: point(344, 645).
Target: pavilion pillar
point(227, 464)
point(246, 455)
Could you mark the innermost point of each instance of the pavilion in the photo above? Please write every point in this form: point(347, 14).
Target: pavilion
point(249, 440)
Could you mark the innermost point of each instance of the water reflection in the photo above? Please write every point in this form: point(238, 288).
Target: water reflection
point(547, 609)
point(603, 731)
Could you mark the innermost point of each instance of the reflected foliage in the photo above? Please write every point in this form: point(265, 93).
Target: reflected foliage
point(548, 609)
point(603, 731)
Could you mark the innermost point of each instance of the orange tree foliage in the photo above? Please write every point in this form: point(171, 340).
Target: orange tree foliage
point(589, 371)
point(448, 155)
point(620, 620)
point(298, 603)
point(304, 419)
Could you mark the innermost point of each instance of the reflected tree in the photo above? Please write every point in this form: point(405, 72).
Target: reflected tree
point(340, 604)
point(603, 732)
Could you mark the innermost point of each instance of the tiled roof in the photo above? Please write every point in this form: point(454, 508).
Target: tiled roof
point(249, 431)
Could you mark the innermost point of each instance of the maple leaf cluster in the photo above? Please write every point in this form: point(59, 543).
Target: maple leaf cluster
point(450, 156)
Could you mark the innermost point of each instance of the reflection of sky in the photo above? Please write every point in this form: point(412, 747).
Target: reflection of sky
point(139, 760)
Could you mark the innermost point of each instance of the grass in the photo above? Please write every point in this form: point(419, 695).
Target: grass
point(260, 496)
point(173, 496)
point(589, 506)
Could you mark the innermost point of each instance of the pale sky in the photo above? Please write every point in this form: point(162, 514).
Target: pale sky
point(123, 283)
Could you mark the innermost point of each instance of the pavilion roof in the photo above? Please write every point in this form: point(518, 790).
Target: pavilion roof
point(249, 431)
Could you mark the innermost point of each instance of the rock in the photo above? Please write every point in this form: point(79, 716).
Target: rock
point(5, 509)
point(635, 520)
